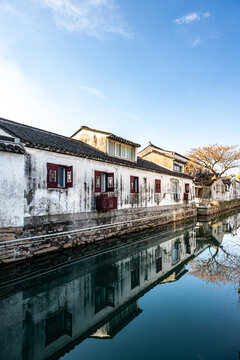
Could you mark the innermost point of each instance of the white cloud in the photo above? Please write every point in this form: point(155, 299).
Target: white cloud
point(196, 42)
point(90, 17)
point(93, 91)
point(188, 18)
point(206, 14)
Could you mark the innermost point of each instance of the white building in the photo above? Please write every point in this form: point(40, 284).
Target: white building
point(47, 178)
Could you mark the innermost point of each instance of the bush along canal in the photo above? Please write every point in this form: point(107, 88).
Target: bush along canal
point(169, 293)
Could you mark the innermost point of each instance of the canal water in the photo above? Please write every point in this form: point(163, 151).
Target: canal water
point(172, 293)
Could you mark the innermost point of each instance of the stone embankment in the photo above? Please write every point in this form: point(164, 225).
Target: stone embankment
point(15, 249)
point(220, 207)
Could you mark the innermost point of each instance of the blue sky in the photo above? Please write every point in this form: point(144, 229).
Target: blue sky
point(165, 71)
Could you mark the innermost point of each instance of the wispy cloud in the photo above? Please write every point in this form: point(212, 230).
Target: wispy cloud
point(7, 6)
point(196, 42)
point(192, 17)
point(93, 91)
point(206, 14)
point(215, 34)
point(188, 18)
point(90, 17)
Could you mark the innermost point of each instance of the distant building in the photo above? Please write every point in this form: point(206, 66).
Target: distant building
point(168, 159)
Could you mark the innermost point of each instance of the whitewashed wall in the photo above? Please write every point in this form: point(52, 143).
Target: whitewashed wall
point(11, 189)
point(41, 201)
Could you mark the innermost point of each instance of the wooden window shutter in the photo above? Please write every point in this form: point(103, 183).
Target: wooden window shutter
point(69, 176)
point(110, 182)
point(132, 184)
point(97, 181)
point(157, 186)
point(52, 175)
point(187, 188)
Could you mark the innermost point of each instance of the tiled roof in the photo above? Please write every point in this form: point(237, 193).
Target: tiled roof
point(45, 140)
point(166, 151)
point(12, 147)
point(110, 136)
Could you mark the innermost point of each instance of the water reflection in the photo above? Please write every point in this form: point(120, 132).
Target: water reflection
point(97, 297)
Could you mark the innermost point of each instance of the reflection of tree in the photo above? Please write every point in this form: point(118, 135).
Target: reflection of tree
point(220, 267)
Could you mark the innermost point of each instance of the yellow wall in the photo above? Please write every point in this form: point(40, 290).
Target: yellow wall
point(99, 141)
point(159, 160)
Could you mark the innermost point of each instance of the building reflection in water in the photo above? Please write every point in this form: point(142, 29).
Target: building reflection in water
point(98, 296)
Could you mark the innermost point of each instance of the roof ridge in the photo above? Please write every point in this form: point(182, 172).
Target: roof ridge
point(110, 134)
point(38, 129)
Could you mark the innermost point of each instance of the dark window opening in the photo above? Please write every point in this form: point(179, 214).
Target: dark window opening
point(58, 325)
point(135, 278)
point(158, 264)
point(104, 297)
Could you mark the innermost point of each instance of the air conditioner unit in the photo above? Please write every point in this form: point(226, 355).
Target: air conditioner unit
point(106, 203)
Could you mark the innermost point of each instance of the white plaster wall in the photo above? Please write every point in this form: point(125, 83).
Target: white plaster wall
point(11, 189)
point(218, 195)
point(81, 197)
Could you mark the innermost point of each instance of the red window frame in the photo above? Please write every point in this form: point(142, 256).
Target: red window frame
point(98, 181)
point(157, 186)
point(52, 176)
point(133, 180)
point(187, 188)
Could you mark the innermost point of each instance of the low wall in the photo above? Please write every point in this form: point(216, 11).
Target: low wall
point(46, 241)
point(218, 207)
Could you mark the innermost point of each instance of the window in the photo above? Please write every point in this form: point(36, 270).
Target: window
point(157, 186)
point(104, 297)
point(187, 188)
point(111, 147)
point(158, 264)
point(176, 252)
point(58, 325)
point(134, 278)
point(118, 149)
point(133, 184)
point(59, 176)
point(174, 189)
point(124, 151)
point(104, 182)
point(177, 167)
point(130, 153)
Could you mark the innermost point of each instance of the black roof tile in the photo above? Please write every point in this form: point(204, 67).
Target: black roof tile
point(45, 140)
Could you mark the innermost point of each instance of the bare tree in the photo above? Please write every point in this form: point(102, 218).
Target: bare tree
point(213, 159)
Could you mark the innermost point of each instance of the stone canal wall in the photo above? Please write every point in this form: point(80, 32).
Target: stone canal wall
point(218, 207)
point(49, 240)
